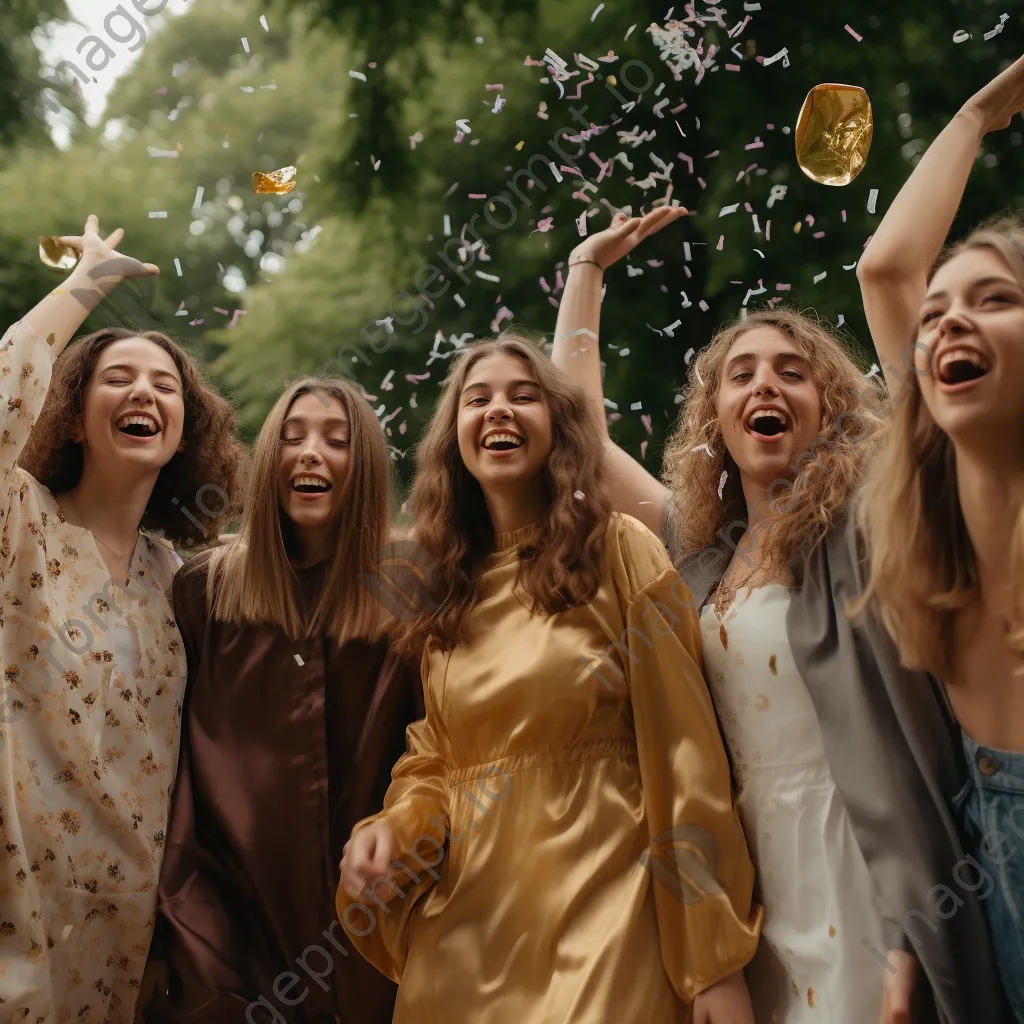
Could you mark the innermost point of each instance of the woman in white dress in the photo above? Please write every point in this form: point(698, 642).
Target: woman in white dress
point(104, 448)
point(759, 472)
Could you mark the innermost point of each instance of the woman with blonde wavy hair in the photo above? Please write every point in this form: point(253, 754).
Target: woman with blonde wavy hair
point(759, 477)
point(944, 504)
point(294, 714)
point(568, 732)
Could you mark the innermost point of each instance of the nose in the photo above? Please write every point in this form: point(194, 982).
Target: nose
point(498, 411)
point(954, 322)
point(309, 456)
point(765, 384)
point(142, 391)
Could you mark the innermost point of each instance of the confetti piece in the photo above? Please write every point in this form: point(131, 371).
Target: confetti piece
point(519, 145)
point(728, 209)
point(597, 10)
point(194, 323)
point(459, 301)
point(833, 133)
point(961, 36)
point(782, 55)
point(626, 36)
point(646, 421)
point(357, 74)
point(416, 378)
point(448, 225)
point(299, 661)
point(486, 277)
point(872, 199)
point(277, 183)
point(57, 256)
point(169, 154)
point(636, 406)
point(234, 318)
point(578, 495)
point(245, 44)
point(199, 198)
point(68, 929)
point(494, 88)
point(177, 265)
point(721, 483)
point(263, 22)
point(463, 125)
point(854, 34)
point(703, 448)
point(158, 215)
point(162, 91)
point(821, 276)
point(643, 449)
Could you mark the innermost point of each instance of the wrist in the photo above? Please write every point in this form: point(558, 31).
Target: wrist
point(973, 116)
point(586, 261)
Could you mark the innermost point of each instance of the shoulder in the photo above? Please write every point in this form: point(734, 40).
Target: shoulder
point(637, 556)
point(189, 589)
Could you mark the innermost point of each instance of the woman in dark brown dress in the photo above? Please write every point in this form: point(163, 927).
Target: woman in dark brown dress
point(294, 714)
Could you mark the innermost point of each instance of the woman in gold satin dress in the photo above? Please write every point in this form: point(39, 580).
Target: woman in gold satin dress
point(559, 843)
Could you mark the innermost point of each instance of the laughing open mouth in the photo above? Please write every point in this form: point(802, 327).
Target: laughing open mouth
point(767, 422)
point(138, 426)
point(959, 365)
point(502, 442)
point(310, 485)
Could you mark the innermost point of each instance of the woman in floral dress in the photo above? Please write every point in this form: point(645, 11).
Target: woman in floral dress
point(103, 448)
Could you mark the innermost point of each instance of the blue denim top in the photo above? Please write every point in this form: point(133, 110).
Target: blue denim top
point(990, 810)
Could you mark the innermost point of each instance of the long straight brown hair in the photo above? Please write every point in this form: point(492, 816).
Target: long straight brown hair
point(251, 578)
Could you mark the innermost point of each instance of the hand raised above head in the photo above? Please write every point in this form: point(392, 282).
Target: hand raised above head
point(1000, 100)
point(623, 235)
point(101, 263)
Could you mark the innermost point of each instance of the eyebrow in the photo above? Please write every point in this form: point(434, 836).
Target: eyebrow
point(482, 385)
point(330, 421)
point(983, 283)
point(789, 357)
point(125, 368)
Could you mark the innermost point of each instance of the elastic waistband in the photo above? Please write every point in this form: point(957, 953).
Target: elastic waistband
point(592, 750)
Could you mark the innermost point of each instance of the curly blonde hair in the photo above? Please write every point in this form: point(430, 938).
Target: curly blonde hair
point(824, 478)
point(923, 568)
point(561, 567)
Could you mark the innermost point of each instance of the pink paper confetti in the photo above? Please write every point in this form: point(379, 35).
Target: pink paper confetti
point(194, 323)
point(783, 287)
point(162, 91)
point(416, 378)
point(852, 33)
point(494, 88)
point(732, 67)
point(545, 286)
point(477, 195)
point(546, 224)
point(643, 449)
point(646, 420)
point(237, 314)
point(578, 495)
point(721, 243)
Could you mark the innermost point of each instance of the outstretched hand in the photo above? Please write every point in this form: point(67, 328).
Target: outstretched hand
point(1001, 99)
point(624, 235)
point(101, 262)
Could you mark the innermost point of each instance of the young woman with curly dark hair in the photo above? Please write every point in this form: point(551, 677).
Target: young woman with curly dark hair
point(102, 444)
point(568, 729)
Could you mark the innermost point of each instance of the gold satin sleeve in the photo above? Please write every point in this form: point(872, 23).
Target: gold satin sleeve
point(702, 873)
point(416, 808)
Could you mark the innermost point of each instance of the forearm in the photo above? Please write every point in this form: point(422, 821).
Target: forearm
point(914, 229)
point(65, 309)
point(576, 351)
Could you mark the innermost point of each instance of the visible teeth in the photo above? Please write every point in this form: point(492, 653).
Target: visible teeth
point(310, 481)
point(960, 355)
point(144, 421)
point(506, 438)
point(768, 414)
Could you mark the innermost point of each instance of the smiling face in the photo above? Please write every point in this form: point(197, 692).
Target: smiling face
point(504, 425)
point(133, 410)
point(313, 465)
point(768, 406)
point(970, 353)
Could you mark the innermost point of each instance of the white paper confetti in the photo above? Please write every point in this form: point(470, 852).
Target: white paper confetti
point(199, 198)
point(721, 483)
point(245, 44)
point(578, 495)
point(821, 276)
point(158, 215)
point(263, 22)
point(872, 199)
point(486, 277)
point(597, 10)
point(167, 154)
point(299, 661)
point(357, 74)
point(177, 265)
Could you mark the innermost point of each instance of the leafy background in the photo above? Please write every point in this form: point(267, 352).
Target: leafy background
point(380, 170)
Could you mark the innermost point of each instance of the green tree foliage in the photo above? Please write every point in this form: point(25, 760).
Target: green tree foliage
point(344, 274)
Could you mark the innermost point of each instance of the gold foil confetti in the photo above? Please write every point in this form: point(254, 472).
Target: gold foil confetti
point(833, 133)
point(277, 183)
point(54, 254)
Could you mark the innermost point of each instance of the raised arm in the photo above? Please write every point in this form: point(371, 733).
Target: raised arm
point(577, 353)
point(893, 272)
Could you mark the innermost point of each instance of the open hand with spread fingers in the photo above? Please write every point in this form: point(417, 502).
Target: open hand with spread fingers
point(624, 235)
point(101, 264)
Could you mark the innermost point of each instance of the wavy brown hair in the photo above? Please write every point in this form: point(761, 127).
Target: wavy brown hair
point(251, 578)
point(560, 567)
point(211, 460)
point(923, 569)
point(823, 479)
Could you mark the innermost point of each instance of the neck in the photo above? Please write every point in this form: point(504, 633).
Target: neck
point(313, 546)
point(512, 510)
point(989, 490)
point(112, 508)
point(761, 517)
